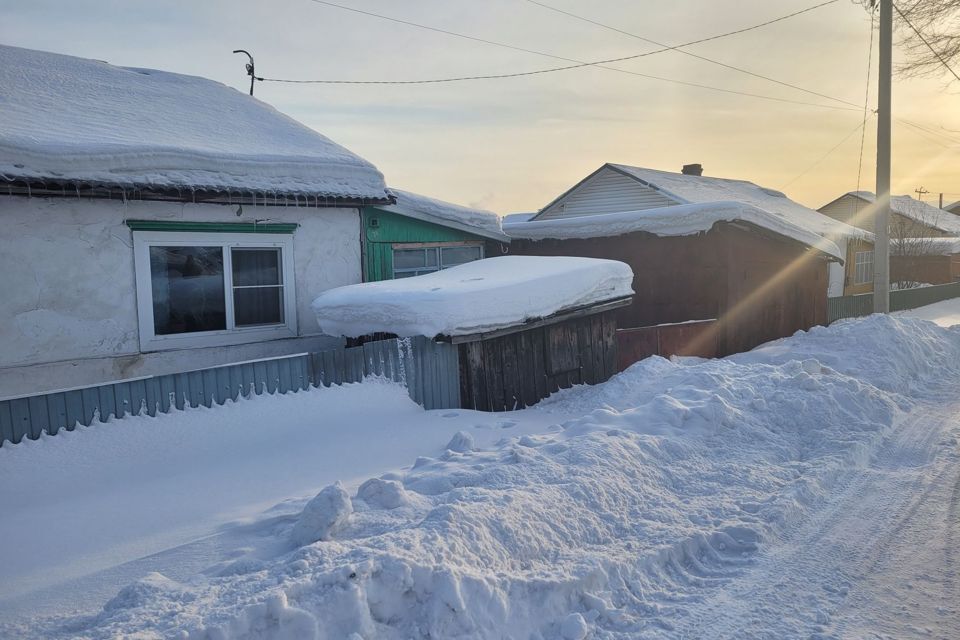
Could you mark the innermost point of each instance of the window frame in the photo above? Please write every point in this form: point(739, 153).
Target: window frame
point(438, 247)
point(150, 341)
point(857, 264)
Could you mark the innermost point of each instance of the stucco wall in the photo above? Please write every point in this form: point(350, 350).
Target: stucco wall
point(68, 294)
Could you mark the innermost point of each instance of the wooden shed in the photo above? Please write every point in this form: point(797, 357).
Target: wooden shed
point(745, 283)
point(523, 326)
point(419, 235)
point(518, 366)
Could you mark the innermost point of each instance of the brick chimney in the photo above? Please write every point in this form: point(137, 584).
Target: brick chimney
point(692, 170)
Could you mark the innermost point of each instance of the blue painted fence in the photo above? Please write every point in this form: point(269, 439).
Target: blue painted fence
point(862, 305)
point(430, 371)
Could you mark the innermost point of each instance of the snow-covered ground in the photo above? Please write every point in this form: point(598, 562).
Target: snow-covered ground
point(945, 314)
point(807, 489)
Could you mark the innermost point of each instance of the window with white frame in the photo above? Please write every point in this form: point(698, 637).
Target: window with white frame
point(863, 267)
point(209, 289)
point(409, 262)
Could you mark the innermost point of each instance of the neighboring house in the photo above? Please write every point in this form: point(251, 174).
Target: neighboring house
point(616, 188)
point(909, 217)
point(419, 235)
point(158, 223)
point(911, 223)
point(696, 254)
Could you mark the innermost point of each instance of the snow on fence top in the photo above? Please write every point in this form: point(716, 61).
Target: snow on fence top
point(704, 189)
point(910, 207)
point(478, 221)
point(73, 120)
point(678, 220)
point(476, 297)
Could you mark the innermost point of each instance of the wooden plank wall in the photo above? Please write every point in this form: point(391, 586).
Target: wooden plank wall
point(699, 338)
point(430, 371)
point(520, 369)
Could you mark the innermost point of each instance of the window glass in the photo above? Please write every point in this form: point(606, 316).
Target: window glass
point(253, 267)
point(257, 287)
point(452, 256)
point(414, 258)
point(188, 290)
point(863, 267)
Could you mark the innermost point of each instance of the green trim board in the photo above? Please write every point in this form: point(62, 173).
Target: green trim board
point(211, 227)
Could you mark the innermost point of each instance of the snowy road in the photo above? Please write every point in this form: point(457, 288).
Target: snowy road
point(878, 560)
point(808, 489)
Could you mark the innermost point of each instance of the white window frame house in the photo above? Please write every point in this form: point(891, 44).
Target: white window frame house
point(87, 187)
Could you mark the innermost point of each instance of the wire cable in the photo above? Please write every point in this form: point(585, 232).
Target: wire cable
point(866, 100)
point(679, 48)
point(823, 157)
point(575, 63)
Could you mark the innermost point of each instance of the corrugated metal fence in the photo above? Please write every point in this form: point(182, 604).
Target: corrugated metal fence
point(862, 305)
point(430, 371)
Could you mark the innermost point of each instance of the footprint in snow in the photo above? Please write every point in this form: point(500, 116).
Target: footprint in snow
point(506, 424)
point(451, 414)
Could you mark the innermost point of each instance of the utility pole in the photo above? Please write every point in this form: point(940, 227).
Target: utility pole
point(881, 249)
point(920, 193)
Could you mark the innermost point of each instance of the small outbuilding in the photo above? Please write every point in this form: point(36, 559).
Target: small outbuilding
point(524, 326)
point(418, 235)
point(711, 279)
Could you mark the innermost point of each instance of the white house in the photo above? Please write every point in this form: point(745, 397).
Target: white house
point(156, 222)
point(617, 188)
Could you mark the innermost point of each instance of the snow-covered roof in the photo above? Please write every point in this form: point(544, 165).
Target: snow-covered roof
point(477, 221)
point(74, 120)
point(480, 296)
point(914, 209)
point(679, 220)
point(704, 189)
point(518, 217)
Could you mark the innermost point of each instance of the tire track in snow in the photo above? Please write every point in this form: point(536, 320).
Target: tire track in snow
point(802, 582)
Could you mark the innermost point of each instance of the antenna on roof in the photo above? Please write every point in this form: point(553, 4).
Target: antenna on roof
point(250, 70)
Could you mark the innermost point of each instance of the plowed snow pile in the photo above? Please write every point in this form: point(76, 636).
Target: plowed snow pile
point(613, 525)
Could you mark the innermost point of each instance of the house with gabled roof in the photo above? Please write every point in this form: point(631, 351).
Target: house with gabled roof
point(909, 217)
point(158, 222)
point(747, 260)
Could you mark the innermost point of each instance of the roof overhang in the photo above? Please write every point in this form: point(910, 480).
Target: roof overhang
point(54, 188)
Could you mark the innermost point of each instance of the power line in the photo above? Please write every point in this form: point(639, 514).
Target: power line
point(824, 156)
point(679, 48)
point(920, 131)
point(924, 40)
point(866, 100)
point(575, 63)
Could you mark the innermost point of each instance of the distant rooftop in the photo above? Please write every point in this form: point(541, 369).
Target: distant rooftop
point(914, 209)
point(68, 120)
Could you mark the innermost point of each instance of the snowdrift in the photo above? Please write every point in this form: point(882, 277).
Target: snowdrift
point(612, 525)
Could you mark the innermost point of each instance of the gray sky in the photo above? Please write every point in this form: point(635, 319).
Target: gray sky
point(514, 144)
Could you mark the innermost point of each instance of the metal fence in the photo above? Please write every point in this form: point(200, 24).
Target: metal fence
point(429, 370)
point(862, 305)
